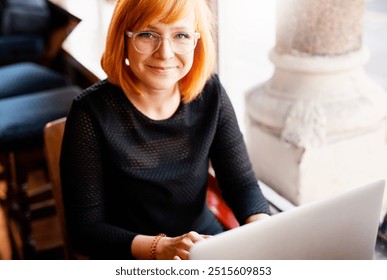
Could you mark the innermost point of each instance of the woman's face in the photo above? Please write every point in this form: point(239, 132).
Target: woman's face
point(161, 70)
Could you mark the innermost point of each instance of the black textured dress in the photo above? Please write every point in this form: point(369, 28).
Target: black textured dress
point(124, 174)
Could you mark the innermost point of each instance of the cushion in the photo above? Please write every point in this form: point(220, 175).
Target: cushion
point(26, 77)
point(23, 118)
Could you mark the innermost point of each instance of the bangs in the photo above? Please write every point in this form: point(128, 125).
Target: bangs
point(164, 11)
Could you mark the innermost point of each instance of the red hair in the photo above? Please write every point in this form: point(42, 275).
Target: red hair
point(138, 14)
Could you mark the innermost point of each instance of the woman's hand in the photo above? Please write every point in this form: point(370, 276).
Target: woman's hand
point(177, 248)
point(257, 217)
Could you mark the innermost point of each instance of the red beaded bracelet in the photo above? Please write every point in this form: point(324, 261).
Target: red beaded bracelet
point(154, 245)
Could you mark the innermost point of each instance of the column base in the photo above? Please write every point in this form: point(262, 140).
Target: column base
point(302, 175)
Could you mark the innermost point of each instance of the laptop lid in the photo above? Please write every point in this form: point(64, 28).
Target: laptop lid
point(341, 227)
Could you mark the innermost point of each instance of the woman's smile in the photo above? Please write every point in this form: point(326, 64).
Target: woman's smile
point(162, 69)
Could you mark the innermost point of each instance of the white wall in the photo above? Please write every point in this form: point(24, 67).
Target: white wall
point(246, 35)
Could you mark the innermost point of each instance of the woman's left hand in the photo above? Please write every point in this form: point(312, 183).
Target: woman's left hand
point(257, 217)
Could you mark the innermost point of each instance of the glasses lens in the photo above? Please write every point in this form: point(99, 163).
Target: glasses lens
point(146, 42)
point(149, 42)
point(183, 42)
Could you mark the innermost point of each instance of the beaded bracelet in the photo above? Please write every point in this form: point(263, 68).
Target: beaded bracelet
point(154, 245)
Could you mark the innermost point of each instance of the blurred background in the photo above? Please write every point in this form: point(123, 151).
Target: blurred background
point(50, 51)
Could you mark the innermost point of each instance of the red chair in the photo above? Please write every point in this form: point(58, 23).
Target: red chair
point(218, 206)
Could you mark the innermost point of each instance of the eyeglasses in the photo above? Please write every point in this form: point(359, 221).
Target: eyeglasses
point(147, 42)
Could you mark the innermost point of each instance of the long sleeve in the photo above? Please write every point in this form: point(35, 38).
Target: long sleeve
point(232, 165)
point(83, 181)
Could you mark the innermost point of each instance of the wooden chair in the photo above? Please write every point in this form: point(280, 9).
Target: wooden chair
point(53, 134)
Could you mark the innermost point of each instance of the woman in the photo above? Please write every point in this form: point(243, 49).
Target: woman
point(137, 146)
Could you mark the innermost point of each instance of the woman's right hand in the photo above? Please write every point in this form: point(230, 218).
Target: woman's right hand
point(177, 248)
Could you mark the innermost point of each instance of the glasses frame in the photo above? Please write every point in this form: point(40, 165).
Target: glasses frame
point(132, 35)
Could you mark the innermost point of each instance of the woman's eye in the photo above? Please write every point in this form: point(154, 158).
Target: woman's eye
point(146, 35)
point(181, 36)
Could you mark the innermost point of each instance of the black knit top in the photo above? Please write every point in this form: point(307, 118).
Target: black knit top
point(125, 174)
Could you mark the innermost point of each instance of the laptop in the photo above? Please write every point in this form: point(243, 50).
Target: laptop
point(341, 227)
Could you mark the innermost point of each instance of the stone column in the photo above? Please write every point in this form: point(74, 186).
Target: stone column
point(318, 126)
